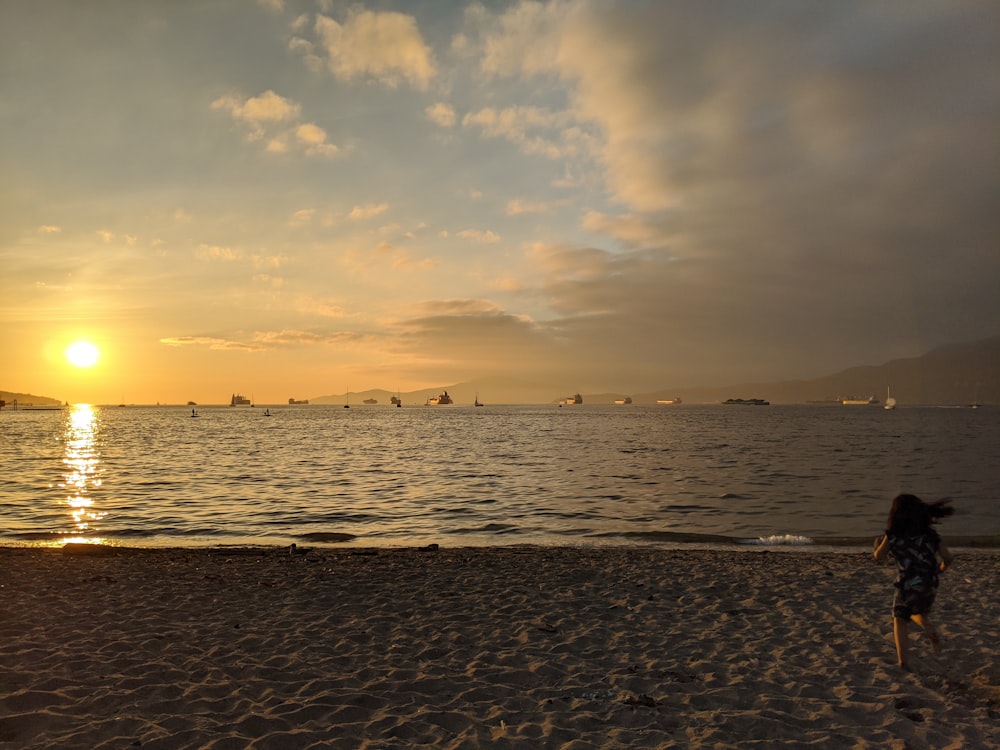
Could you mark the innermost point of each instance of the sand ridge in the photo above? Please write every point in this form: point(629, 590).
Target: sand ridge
point(498, 647)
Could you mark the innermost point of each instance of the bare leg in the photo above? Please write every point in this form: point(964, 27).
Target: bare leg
point(901, 632)
point(924, 621)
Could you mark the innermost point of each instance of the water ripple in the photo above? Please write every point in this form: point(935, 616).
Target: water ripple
point(380, 475)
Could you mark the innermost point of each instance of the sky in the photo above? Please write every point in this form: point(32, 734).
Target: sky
point(293, 198)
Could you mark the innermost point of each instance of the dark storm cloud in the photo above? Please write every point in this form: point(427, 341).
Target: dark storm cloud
point(818, 181)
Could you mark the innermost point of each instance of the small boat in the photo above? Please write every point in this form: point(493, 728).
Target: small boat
point(396, 401)
point(441, 400)
point(746, 402)
point(669, 400)
point(296, 402)
point(370, 401)
point(890, 402)
point(858, 401)
point(570, 400)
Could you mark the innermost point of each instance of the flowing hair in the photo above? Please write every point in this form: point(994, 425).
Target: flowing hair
point(910, 515)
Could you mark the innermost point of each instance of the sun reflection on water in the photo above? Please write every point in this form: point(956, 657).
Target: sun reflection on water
point(82, 463)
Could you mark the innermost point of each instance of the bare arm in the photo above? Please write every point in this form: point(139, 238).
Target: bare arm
point(882, 548)
point(946, 557)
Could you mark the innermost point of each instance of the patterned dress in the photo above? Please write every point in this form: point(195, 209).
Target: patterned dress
point(917, 564)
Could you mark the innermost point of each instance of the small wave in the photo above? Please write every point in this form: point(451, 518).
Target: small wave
point(327, 536)
point(135, 533)
point(791, 540)
point(673, 537)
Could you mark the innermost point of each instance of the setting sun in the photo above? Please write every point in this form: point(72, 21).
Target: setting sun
point(82, 354)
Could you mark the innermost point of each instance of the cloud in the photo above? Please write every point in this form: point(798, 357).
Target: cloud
point(368, 211)
point(278, 145)
point(477, 336)
point(304, 48)
point(217, 252)
point(517, 207)
point(460, 307)
point(212, 342)
point(384, 46)
point(256, 111)
point(268, 261)
point(275, 282)
point(755, 150)
point(527, 37)
point(319, 307)
point(487, 237)
point(260, 341)
point(635, 231)
point(313, 139)
point(385, 255)
point(441, 114)
point(288, 338)
point(49, 229)
point(275, 118)
point(521, 125)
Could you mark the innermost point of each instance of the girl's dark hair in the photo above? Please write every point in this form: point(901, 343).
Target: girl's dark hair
point(911, 515)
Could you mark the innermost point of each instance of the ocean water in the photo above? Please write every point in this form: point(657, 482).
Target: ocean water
point(458, 475)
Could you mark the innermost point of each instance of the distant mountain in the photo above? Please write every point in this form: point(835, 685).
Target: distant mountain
point(951, 375)
point(27, 399)
point(489, 390)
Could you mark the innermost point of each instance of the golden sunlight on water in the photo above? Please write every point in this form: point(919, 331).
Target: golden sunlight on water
point(82, 461)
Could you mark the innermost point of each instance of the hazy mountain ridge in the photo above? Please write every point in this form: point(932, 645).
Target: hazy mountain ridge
point(27, 399)
point(956, 374)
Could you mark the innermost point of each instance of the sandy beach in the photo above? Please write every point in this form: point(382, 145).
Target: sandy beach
point(486, 648)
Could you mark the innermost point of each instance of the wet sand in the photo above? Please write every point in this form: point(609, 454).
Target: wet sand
point(505, 647)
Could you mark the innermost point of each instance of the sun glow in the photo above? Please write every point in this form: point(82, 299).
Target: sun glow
point(82, 354)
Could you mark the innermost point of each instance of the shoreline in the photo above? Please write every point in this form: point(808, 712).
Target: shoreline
point(635, 540)
point(562, 647)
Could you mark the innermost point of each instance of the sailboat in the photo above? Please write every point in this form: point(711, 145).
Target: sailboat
point(347, 402)
point(478, 402)
point(890, 402)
